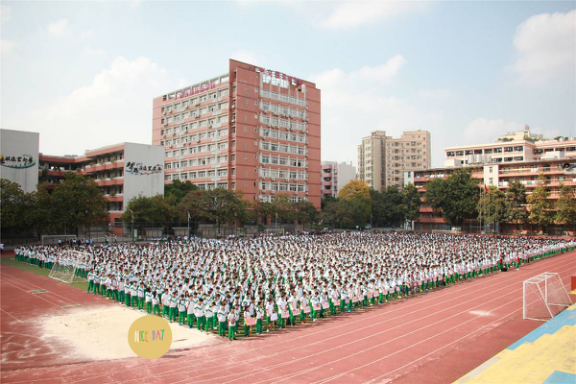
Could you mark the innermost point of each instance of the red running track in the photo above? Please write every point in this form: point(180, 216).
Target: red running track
point(431, 338)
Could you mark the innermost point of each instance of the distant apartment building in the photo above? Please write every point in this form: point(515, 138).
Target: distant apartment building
point(251, 129)
point(511, 148)
point(382, 160)
point(335, 176)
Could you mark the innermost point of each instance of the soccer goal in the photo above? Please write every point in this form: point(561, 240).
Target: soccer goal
point(544, 296)
point(275, 232)
point(66, 266)
point(53, 239)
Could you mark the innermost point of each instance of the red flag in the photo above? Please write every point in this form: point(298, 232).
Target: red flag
point(485, 189)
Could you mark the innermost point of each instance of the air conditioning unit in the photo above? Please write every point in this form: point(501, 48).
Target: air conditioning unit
point(295, 192)
point(273, 178)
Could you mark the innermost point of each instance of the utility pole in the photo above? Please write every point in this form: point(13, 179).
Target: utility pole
point(132, 232)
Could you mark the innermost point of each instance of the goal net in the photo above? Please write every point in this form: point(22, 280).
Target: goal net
point(544, 296)
point(275, 232)
point(68, 265)
point(53, 239)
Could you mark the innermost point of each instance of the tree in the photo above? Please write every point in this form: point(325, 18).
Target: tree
point(142, 209)
point(540, 207)
point(179, 189)
point(454, 197)
point(283, 208)
point(516, 199)
point(566, 206)
point(224, 206)
point(492, 207)
point(354, 189)
point(193, 204)
point(78, 201)
point(43, 213)
point(411, 202)
point(361, 210)
point(261, 211)
point(15, 204)
point(306, 212)
point(387, 208)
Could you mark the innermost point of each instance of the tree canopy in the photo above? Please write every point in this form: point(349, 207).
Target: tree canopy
point(353, 189)
point(454, 197)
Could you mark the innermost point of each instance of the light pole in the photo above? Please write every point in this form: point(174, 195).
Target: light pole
point(132, 215)
point(188, 212)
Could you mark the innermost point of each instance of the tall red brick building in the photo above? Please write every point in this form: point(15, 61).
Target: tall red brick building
point(251, 129)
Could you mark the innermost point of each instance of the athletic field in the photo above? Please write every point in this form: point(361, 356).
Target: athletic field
point(55, 333)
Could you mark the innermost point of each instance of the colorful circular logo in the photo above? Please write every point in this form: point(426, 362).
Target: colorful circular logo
point(150, 337)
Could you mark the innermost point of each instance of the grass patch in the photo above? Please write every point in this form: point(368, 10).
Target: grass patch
point(38, 271)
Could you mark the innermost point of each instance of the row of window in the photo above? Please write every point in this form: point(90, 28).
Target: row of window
point(222, 172)
point(282, 110)
point(202, 98)
point(201, 149)
point(181, 107)
point(284, 148)
point(202, 186)
point(279, 160)
point(197, 162)
point(283, 123)
point(282, 174)
point(284, 98)
point(518, 148)
point(283, 187)
point(508, 159)
point(271, 198)
point(193, 139)
point(288, 136)
point(199, 124)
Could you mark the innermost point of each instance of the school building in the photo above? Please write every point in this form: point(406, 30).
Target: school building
point(251, 129)
point(557, 165)
point(121, 171)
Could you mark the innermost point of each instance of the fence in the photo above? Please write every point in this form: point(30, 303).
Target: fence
point(154, 231)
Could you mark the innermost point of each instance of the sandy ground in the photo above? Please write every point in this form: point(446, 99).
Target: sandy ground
point(102, 333)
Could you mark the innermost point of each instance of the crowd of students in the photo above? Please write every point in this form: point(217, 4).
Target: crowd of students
point(275, 282)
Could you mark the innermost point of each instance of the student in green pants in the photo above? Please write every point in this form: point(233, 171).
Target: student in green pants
point(166, 304)
point(190, 311)
point(199, 312)
point(221, 320)
point(148, 299)
point(127, 290)
point(173, 307)
point(141, 296)
point(156, 304)
point(90, 282)
point(209, 315)
point(259, 317)
point(182, 310)
point(232, 324)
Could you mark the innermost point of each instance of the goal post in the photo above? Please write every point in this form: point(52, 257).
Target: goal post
point(67, 266)
point(53, 239)
point(544, 296)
